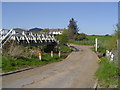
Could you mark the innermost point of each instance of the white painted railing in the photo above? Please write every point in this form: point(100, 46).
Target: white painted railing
point(109, 55)
point(37, 38)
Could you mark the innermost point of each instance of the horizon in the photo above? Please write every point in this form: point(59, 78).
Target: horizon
point(92, 18)
point(56, 28)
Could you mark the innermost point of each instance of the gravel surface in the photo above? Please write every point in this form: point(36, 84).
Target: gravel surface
point(76, 71)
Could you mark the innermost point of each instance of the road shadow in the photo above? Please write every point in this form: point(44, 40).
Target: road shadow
point(74, 48)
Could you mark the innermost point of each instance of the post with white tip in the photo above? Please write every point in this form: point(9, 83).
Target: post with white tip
point(51, 53)
point(96, 44)
point(40, 56)
point(59, 54)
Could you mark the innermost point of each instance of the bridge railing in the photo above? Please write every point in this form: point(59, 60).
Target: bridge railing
point(5, 36)
point(29, 36)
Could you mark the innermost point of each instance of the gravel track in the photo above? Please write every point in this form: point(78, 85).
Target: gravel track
point(76, 71)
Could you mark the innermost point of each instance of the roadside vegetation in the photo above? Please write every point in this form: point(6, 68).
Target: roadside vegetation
point(65, 49)
point(18, 56)
point(12, 63)
point(107, 73)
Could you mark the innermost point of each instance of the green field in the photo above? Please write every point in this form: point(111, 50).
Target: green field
point(91, 40)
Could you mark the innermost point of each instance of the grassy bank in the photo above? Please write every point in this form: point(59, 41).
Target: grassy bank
point(100, 49)
point(19, 57)
point(11, 63)
point(65, 49)
point(107, 73)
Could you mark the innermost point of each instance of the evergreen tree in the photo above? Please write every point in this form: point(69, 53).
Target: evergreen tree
point(72, 28)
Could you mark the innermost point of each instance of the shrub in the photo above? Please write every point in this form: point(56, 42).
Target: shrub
point(63, 38)
point(79, 37)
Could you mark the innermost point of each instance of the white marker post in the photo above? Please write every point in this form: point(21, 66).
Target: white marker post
point(112, 57)
point(59, 54)
point(40, 55)
point(107, 52)
point(51, 53)
point(96, 44)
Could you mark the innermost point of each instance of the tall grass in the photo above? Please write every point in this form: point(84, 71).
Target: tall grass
point(107, 73)
point(11, 63)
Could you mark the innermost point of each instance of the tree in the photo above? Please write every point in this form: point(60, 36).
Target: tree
point(63, 38)
point(72, 28)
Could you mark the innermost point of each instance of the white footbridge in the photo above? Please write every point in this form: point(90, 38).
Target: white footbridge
point(27, 37)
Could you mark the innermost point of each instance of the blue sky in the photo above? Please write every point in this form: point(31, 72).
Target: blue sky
point(91, 17)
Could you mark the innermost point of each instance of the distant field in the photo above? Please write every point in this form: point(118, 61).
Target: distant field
point(91, 40)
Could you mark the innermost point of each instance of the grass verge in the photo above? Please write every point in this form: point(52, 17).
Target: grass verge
point(65, 49)
point(10, 63)
point(107, 73)
point(100, 49)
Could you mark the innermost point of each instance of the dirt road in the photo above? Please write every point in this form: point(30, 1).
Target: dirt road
point(76, 71)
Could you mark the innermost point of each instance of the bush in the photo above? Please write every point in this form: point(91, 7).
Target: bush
point(79, 37)
point(102, 50)
point(107, 35)
point(63, 38)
